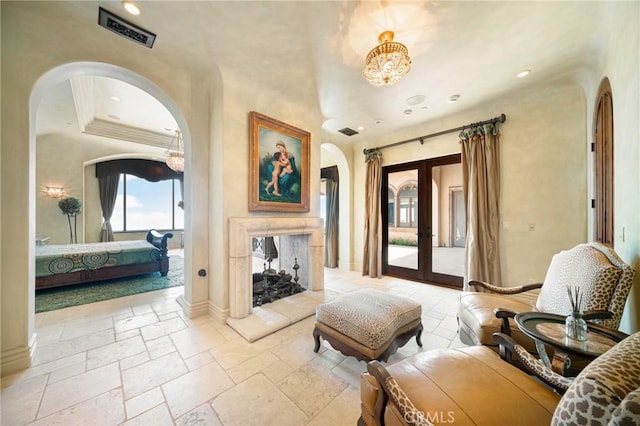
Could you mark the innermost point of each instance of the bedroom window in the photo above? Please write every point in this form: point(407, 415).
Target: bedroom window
point(142, 205)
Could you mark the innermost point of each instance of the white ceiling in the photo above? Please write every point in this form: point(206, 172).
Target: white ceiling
point(316, 50)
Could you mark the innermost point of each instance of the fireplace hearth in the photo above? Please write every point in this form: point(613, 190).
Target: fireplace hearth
point(271, 285)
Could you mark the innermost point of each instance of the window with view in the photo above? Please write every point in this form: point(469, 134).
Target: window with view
point(142, 205)
point(408, 206)
point(392, 208)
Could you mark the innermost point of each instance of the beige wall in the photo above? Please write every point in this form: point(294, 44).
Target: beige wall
point(620, 63)
point(544, 153)
point(211, 107)
point(240, 97)
point(543, 159)
point(40, 57)
point(547, 165)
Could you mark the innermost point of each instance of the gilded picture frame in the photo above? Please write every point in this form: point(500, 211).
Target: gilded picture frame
point(278, 165)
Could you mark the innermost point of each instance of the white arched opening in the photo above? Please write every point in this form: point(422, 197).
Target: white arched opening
point(63, 73)
point(333, 155)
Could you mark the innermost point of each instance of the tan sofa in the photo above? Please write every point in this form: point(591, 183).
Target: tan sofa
point(473, 385)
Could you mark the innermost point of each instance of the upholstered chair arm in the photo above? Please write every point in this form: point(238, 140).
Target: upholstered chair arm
point(377, 370)
point(596, 315)
point(504, 290)
point(504, 315)
point(390, 389)
point(410, 414)
point(509, 348)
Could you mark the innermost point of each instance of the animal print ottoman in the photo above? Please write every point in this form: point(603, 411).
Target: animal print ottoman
point(368, 324)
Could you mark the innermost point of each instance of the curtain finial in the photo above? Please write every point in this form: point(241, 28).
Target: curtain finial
point(372, 153)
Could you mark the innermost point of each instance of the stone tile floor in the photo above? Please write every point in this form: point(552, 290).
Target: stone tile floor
point(138, 360)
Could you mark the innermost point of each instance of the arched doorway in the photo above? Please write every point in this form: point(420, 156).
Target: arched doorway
point(333, 155)
point(59, 75)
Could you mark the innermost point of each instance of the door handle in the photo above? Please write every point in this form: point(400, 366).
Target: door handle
point(420, 234)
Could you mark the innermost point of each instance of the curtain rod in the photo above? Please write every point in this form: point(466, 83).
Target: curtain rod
point(421, 139)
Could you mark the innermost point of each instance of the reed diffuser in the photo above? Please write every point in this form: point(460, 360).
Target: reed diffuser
point(575, 325)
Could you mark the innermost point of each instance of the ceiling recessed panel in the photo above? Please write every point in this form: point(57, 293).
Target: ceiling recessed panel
point(134, 107)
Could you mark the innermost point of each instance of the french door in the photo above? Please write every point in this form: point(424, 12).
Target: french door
point(424, 221)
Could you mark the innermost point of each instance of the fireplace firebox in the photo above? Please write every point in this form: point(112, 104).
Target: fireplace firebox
point(301, 238)
point(271, 285)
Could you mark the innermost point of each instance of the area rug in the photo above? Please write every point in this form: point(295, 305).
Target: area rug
point(80, 294)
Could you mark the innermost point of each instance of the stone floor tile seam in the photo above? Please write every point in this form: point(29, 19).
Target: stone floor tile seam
point(80, 401)
point(164, 312)
point(41, 398)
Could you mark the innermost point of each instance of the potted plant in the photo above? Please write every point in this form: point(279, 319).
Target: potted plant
point(71, 207)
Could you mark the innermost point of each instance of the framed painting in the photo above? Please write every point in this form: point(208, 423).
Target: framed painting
point(278, 166)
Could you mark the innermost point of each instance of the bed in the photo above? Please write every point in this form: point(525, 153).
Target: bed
point(68, 264)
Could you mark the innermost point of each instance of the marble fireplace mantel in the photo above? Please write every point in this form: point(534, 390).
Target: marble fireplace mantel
point(241, 232)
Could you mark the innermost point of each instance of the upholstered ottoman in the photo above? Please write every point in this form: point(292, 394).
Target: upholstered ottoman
point(368, 324)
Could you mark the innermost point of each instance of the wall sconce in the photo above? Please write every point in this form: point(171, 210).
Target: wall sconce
point(54, 191)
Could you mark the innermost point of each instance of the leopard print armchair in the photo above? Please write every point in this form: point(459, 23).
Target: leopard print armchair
point(595, 269)
point(607, 391)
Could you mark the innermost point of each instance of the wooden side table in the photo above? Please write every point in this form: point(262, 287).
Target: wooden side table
point(548, 329)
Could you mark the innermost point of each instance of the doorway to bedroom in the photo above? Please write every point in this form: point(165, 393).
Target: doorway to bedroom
point(91, 119)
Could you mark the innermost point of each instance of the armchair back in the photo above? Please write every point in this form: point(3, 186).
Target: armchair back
point(602, 277)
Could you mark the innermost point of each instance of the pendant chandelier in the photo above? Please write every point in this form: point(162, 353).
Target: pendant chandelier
point(175, 159)
point(388, 62)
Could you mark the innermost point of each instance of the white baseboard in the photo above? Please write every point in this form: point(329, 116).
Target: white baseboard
point(193, 310)
point(17, 359)
point(218, 314)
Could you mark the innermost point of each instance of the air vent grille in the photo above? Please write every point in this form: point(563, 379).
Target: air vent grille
point(124, 28)
point(347, 131)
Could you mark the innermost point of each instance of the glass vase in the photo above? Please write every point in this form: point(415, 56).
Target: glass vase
point(576, 326)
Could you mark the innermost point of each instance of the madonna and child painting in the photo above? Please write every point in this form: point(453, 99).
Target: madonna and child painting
point(279, 166)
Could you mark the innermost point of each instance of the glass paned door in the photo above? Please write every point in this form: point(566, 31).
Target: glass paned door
point(402, 225)
point(448, 219)
point(402, 234)
point(423, 210)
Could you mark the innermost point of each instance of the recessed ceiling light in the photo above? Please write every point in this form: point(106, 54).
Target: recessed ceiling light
point(131, 7)
point(115, 98)
point(360, 128)
point(523, 73)
point(378, 121)
point(417, 99)
point(407, 111)
point(453, 99)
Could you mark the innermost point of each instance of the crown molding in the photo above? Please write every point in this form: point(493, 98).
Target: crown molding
point(83, 92)
point(83, 100)
point(108, 129)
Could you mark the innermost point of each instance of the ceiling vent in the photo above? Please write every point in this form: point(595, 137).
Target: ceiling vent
point(347, 131)
point(124, 28)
